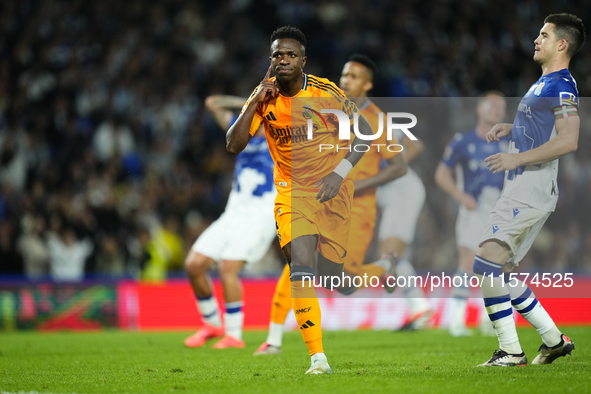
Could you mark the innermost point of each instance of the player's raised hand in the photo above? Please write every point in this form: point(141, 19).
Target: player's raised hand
point(267, 89)
point(331, 184)
point(498, 131)
point(502, 162)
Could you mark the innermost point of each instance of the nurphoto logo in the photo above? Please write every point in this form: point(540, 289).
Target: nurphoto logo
point(344, 123)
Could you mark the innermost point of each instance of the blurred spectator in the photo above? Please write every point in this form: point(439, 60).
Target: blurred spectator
point(111, 260)
point(162, 251)
point(171, 241)
point(67, 256)
point(33, 247)
point(113, 139)
point(11, 261)
point(154, 256)
point(13, 163)
point(101, 119)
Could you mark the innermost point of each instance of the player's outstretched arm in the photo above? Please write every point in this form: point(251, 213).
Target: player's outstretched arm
point(239, 134)
point(444, 179)
point(566, 141)
point(498, 131)
point(397, 167)
point(331, 183)
point(221, 107)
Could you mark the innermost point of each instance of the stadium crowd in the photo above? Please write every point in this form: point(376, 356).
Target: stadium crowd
point(109, 163)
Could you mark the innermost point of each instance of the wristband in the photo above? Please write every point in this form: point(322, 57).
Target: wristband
point(343, 168)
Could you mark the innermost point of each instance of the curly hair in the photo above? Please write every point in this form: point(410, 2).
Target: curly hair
point(289, 32)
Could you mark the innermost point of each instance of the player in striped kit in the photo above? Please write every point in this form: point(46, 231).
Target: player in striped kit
point(242, 234)
point(476, 190)
point(546, 127)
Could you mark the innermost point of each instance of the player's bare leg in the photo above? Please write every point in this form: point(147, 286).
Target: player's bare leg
point(196, 265)
point(233, 317)
point(420, 310)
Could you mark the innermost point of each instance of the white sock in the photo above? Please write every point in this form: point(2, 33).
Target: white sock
point(275, 336)
point(458, 313)
point(463, 290)
point(459, 302)
point(386, 264)
point(415, 297)
point(485, 324)
point(525, 302)
point(417, 305)
point(498, 304)
point(208, 307)
point(234, 319)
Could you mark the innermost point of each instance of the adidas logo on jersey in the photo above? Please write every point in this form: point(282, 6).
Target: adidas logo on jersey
point(307, 324)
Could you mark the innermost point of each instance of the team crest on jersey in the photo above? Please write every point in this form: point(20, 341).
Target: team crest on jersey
point(567, 98)
point(309, 113)
point(539, 89)
point(531, 89)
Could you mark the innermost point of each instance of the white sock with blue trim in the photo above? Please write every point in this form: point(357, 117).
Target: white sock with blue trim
point(525, 302)
point(414, 295)
point(498, 304)
point(234, 319)
point(208, 307)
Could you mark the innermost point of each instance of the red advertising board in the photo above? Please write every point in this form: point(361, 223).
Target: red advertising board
point(171, 306)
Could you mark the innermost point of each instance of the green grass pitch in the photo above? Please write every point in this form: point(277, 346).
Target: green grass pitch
point(362, 361)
